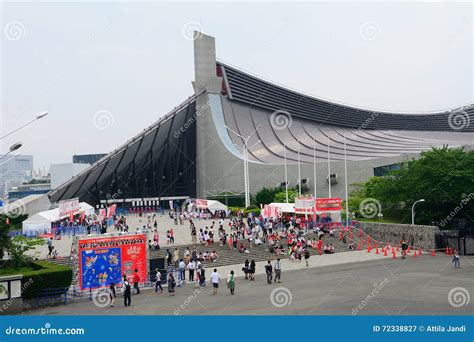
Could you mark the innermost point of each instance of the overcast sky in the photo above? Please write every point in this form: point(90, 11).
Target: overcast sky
point(134, 62)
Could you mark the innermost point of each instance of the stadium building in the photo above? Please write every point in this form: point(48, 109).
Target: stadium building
point(199, 149)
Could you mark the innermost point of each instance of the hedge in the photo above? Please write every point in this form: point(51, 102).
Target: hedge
point(42, 275)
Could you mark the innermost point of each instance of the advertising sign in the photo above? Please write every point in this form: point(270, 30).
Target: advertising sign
point(66, 207)
point(104, 260)
point(201, 203)
point(304, 205)
point(328, 204)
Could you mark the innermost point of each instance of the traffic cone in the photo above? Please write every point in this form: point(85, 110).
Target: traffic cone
point(419, 251)
point(393, 254)
point(358, 247)
point(447, 250)
point(433, 252)
point(450, 251)
point(398, 248)
point(350, 234)
point(369, 248)
point(385, 252)
point(414, 253)
point(408, 250)
point(376, 249)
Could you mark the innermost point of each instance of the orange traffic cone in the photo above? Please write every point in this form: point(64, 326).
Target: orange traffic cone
point(385, 252)
point(433, 252)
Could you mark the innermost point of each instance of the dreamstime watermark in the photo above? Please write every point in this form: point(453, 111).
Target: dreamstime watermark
point(114, 196)
point(178, 132)
point(368, 121)
point(103, 119)
point(459, 119)
point(280, 297)
point(464, 201)
point(370, 207)
point(187, 301)
point(16, 209)
point(14, 296)
point(459, 296)
point(14, 30)
point(370, 30)
point(101, 299)
point(46, 330)
point(377, 287)
point(281, 119)
point(192, 30)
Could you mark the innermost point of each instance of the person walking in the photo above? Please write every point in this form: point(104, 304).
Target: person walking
point(277, 270)
point(171, 284)
point(136, 280)
point(404, 249)
point(215, 279)
point(49, 243)
point(191, 267)
point(252, 270)
point(306, 257)
point(127, 292)
point(231, 282)
point(456, 259)
point(182, 272)
point(269, 272)
point(201, 276)
point(112, 294)
point(169, 257)
point(158, 281)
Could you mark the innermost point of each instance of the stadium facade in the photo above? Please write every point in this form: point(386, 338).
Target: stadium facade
point(197, 150)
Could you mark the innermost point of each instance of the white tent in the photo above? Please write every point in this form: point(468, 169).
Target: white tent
point(40, 223)
point(213, 206)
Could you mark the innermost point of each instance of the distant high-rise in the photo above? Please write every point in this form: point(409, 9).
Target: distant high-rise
point(14, 170)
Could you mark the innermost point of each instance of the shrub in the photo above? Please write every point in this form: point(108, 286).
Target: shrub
point(41, 275)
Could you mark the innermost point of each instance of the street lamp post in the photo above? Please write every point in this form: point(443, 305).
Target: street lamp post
point(246, 165)
point(413, 211)
point(37, 117)
point(12, 148)
point(286, 176)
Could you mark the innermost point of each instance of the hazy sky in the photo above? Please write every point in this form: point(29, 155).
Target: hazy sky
point(134, 61)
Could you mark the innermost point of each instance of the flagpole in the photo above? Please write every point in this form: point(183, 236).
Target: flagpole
point(329, 170)
point(299, 169)
point(314, 167)
point(345, 182)
point(286, 176)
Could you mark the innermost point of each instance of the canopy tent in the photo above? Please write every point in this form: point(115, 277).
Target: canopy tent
point(213, 206)
point(40, 223)
point(274, 209)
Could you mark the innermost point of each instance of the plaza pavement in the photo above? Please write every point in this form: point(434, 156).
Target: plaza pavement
point(349, 283)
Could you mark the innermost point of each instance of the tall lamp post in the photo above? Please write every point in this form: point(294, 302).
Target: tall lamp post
point(37, 117)
point(12, 148)
point(246, 164)
point(413, 211)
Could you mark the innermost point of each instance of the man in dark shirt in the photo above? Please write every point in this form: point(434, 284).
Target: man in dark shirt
point(269, 271)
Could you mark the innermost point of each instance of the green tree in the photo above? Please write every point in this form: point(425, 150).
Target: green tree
point(265, 196)
point(18, 248)
point(280, 197)
point(443, 177)
point(4, 238)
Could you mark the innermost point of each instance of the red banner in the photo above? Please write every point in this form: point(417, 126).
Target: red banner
point(105, 260)
point(328, 204)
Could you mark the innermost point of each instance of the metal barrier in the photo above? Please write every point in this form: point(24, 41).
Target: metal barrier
point(51, 296)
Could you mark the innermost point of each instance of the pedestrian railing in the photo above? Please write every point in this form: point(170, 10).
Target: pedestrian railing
point(51, 296)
